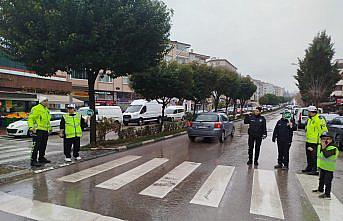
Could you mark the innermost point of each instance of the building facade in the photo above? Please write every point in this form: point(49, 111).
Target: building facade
point(337, 94)
point(221, 63)
point(264, 88)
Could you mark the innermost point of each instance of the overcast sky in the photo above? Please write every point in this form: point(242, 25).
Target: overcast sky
point(260, 37)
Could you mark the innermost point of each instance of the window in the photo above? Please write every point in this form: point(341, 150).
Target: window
point(79, 75)
point(143, 110)
point(105, 78)
point(207, 118)
point(126, 80)
point(224, 118)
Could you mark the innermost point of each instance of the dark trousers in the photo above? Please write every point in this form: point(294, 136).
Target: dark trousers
point(71, 142)
point(254, 142)
point(325, 179)
point(283, 151)
point(311, 157)
point(40, 140)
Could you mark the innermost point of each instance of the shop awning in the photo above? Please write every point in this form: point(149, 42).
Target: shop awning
point(60, 99)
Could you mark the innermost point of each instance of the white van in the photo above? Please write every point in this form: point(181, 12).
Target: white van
point(142, 111)
point(112, 112)
point(175, 113)
point(302, 116)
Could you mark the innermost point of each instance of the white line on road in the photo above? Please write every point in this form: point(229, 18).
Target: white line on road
point(14, 154)
point(212, 191)
point(37, 210)
point(265, 197)
point(327, 210)
point(125, 178)
point(84, 174)
point(27, 157)
point(10, 150)
point(11, 147)
point(169, 181)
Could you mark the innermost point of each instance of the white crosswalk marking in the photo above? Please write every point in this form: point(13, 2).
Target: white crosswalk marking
point(265, 197)
point(14, 150)
point(14, 154)
point(212, 191)
point(5, 147)
point(169, 181)
point(37, 210)
point(327, 210)
point(83, 174)
point(26, 157)
point(125, 178)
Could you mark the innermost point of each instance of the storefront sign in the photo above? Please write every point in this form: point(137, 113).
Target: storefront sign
point(339, 101)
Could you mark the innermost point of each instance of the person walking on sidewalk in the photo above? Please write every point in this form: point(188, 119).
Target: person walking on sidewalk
point(327, 155)
point(257, 131)
point(283, 134)
point(316, 125)
point(39, 126)
point(71, 131)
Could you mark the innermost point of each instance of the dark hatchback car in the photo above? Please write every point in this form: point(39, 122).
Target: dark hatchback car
point(336, 128)
point(210, 125)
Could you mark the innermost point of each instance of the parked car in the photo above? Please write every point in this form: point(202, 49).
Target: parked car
point(111, 112)
point(142, 111)
point(21, 128)
point(210, 125)
point(175, 113)
point(329, 117)
point(302, 116)
point(336, 128)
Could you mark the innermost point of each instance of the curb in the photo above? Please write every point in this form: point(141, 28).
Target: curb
point(15, 176)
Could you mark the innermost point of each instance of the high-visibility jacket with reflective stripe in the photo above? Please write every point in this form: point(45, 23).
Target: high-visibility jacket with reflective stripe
point(39, 118)
point(327, 163)
point(315, 127)
point(72, 125)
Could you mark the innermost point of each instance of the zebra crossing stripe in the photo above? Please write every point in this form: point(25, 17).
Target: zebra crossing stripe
point(26, 157)
point(125, 178)
point(14, 150)
point(327, 210)
point(212, 191)
point(265, 197)
point(84, 174)
point(37, 210)
point(14, 154)
point(169, 181)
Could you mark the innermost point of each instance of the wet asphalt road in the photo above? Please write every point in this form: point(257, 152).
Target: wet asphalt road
point(127, 204)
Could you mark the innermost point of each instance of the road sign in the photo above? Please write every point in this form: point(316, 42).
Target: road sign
point(90, 112)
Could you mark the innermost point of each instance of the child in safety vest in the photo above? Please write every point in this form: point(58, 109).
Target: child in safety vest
point(327, 154)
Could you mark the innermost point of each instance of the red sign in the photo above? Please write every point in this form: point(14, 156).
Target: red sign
point(339, 101)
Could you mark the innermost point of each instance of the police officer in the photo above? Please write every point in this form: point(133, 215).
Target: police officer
point(257, 131)
point(71, 131)
point(39, 125)
point(316, 125)
point(283, 134)
point(327, 155)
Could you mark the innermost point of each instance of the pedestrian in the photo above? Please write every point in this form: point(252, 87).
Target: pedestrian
point(327, 155)
point(39, 126)
point(71, 131)
point(283, 134)
point(316, 125)
point(257, 131)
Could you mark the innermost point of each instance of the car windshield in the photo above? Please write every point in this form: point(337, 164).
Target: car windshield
point(170, 111)
point(337, 121)
point(207, 118)
point(133, 108)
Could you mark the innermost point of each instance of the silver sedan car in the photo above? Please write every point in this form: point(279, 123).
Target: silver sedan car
point(210, 125)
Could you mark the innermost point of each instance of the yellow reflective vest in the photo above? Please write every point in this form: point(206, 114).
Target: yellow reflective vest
point(327, 163)
point(315, 127)
point(39, 118)
point(72, 125)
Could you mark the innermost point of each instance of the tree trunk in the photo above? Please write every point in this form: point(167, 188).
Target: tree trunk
point(242, 105)
point(91, 94)
point(234, 108)
point(227, 101)
point(194, 109)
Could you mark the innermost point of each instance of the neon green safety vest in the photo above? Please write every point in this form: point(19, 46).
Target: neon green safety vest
point(72, 125)
point(329, 163)
point(314, 128)
point(39, 118)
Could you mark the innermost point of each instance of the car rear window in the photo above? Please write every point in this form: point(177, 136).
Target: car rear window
point(305, 112)
point(207, 118)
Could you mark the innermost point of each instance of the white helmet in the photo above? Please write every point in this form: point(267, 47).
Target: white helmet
point(312, 109)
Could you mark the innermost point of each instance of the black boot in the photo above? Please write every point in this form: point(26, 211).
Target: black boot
point(44, 160)
point(34, 163)
point(249, 162)
point(279, 166)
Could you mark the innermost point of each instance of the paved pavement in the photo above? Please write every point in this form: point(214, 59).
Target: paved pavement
point(177, 180)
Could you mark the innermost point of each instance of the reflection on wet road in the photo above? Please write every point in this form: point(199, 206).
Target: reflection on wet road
point(177, 180)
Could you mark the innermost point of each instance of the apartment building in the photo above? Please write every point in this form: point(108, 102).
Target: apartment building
point(264, 88)
point(221, 63)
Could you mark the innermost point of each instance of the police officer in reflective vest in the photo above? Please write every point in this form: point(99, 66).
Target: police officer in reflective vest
point(316, 125)
point(39, 126)
point(327, 155)
point(71, 131)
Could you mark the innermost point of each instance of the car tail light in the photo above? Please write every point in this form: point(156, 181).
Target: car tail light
point(189, 124)
point(217, 125)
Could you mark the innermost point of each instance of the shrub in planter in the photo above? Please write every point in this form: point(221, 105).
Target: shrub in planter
point(105, 126)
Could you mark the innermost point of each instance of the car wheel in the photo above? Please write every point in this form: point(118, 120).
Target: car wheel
point(222, 137)
point(141, 122)
point(233, 131)
point(191, 138)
